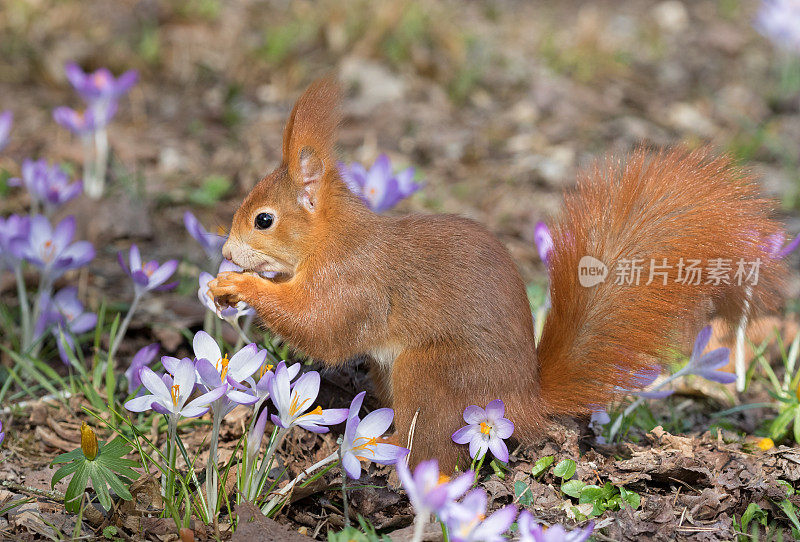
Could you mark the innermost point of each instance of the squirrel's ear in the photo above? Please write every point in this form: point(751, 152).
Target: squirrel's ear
point(310, 136)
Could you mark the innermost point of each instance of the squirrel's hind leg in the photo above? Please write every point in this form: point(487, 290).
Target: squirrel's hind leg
point(421, 389)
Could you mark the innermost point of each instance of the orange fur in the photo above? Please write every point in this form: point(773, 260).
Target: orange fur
point(439, 306)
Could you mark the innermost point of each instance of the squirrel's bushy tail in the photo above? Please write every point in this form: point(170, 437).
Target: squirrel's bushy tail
point(669, 208)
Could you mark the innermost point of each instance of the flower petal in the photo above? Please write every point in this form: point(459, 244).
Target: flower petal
point(376, 422)
point(153, 383)
point(715, 359)
point(701, 342)
point(495, 410)
point(503, 427)
point(474, 414)
point(351, 466)
point(465, 434)
point(499, 449)
point(206, 347)
point(141, 403)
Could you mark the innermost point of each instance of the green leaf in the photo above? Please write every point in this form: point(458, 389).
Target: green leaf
point(753, 511)
point(788, 508)
point(110, 532)
point(797, 425)
point(786, 487)
point(116, 484)
point(630, 497)
point(522, 493)
point(69, 456)
point(565, 469)
point(572, 488)
point(780, 424)
point(76, 488)
point(65, 471)
point(99, 483)
point(542, 464)
point(591, 493)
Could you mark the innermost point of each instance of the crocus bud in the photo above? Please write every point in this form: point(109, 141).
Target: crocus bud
point(88, 442)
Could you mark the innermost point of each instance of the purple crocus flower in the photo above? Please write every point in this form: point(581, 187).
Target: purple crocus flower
point(65, 309)
point(292, 402)
point(64, 314)
point(706, 365)
point(467, 521)
point(360, 441)
point(378, 187)
point(215, 370)
point(429, 491)
point(2, 433)
point(485, 430)
point(544, 241)
point(530, 531)
point(143, 358)
point(169, 395)
point(49, 185)
point(211, 242)
point(84, 123)
point(99, 88)
point(779, 20)
point(51, 249)
point(11, 228)
point(148, 276)
point(259, 381)
point(6, 119)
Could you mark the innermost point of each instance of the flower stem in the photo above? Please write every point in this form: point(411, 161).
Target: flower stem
point(211, 465)
point(243, 338)
point(275, 441)
point(90, 182)
point(123, 328)
point(172, 442)
point(345, 507)
point(419, 527)
point(101, 160)
point(24, 307)
point(45, 292)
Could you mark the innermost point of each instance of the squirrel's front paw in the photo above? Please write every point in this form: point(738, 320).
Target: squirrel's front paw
point(231, 287)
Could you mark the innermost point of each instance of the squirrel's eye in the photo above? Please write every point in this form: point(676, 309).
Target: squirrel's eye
point(264, 220)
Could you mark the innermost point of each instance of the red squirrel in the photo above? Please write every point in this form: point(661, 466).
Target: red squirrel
point(438, 305)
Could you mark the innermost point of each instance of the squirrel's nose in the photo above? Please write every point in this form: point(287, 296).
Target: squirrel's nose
point(227, 253)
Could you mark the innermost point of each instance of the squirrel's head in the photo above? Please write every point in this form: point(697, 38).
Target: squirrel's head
point(273, 230)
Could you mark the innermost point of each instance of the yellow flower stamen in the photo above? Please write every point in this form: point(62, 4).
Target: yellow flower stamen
point(317, 411)
point(176, 393)
point(223, 372)
point(263, 370)
point(485, 428)
point(766, 444)
point(294, 408)
point(443, 479)
point(369, 442)
point(88, 442)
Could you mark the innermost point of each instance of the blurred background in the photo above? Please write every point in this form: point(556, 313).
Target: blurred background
point(497, 104)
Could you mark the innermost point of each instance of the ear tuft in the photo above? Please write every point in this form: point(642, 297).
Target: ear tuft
point(310, 135)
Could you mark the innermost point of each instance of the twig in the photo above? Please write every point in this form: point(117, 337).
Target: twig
point(53, 495)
